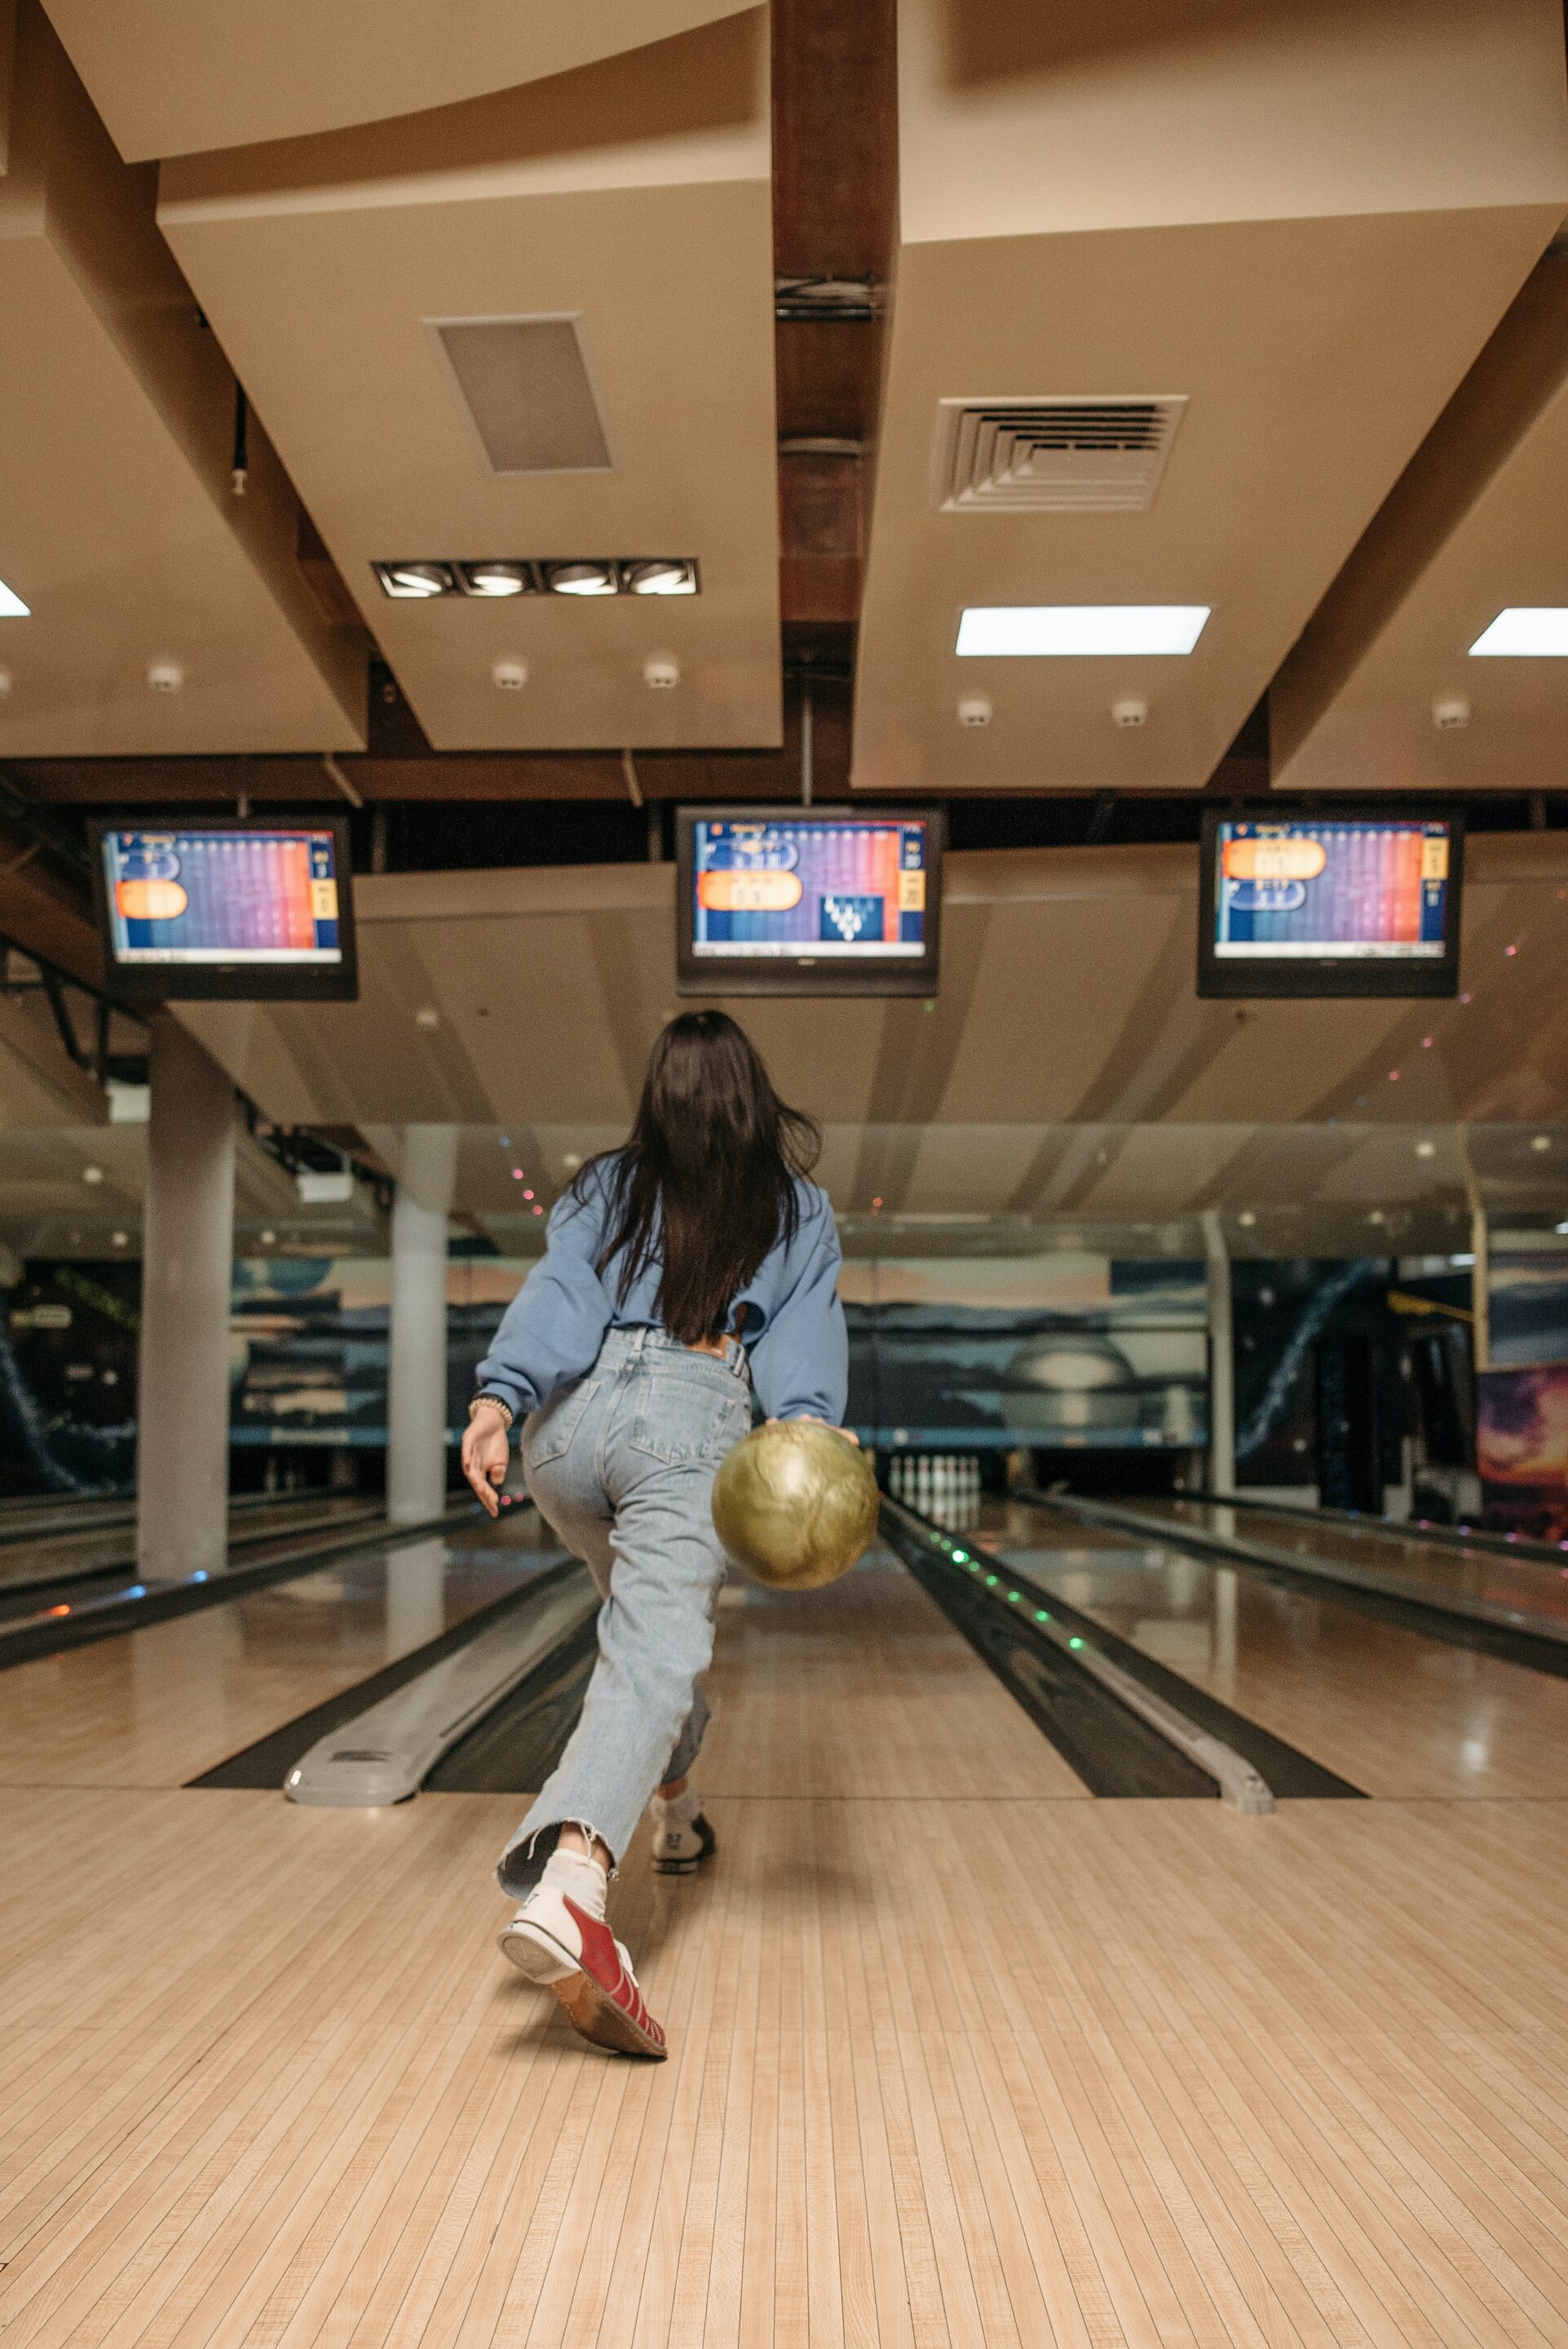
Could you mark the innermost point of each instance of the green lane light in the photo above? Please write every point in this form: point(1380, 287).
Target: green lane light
point(1075, 1643)
point(1041, 1616)
point(990, 1582)
point(960, 1558)
point(1013, 1597)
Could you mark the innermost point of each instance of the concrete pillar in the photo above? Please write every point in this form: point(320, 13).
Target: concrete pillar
point(1222, 1358)
point(417, 1364)
point(188, 1245)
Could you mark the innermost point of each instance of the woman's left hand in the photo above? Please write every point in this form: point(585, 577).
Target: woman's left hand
point(818, 1421)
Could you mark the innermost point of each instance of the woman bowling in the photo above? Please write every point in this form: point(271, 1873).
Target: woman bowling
point(684, 1272)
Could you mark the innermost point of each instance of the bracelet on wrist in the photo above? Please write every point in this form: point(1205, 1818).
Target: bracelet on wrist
point(492, 1402)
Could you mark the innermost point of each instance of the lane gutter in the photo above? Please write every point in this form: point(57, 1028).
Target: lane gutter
point(1240, 1783)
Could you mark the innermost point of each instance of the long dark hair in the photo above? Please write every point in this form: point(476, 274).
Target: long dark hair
point(706, 1183)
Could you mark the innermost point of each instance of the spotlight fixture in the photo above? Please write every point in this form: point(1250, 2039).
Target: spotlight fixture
point(581, 578)
point(4, 684)
point(1130, 712)
point(975, 709)
point(415, 583)
point(11, 605)
point(1450, 712)
point(1074, 631)
point(664, 576)
point(92, 1174)
point(511, 675)
point(165, 677)
point(661, 673)
point(495, 579)
point(427, 1018)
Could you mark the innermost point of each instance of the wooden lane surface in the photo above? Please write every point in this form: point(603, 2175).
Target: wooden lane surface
point(1398, 1713)
point(864, 1689)
point(65, 1546)
point(1533, 1586)
point(944, 2072)
point(156, 1708)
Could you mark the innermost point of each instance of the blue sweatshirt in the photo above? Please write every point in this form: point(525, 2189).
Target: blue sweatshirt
point(787, 1316)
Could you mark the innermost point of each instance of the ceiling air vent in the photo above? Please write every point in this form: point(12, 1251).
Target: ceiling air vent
point(1053, 455)
point(527, 392)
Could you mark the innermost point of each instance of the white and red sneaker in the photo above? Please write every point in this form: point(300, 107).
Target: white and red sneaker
point(564, 1949)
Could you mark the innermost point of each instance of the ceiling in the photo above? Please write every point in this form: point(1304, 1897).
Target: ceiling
point(633, 196)
point(1328, 231)
point(1479, 521)
point(171, 77)
point(116, 523)
point(1304, 224)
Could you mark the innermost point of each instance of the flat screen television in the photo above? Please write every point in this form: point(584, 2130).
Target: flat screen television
point(222, 909)
point(1329, 902)
point(808, 901)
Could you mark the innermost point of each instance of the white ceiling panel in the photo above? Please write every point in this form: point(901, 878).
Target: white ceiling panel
point(171, 77)
point(632, 198)
point(1302, 224)
point(116, 526)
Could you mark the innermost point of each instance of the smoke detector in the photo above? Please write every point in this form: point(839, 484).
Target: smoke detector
point(1450, 712)
point(661, 673)
point(975, 709)
point(1130, 712)
point(511, 676)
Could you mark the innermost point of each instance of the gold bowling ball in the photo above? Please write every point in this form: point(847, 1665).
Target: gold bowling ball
point(795, 1504)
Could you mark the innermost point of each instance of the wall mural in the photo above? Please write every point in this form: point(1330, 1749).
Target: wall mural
point(1051, 1351)
point(1522, 1417)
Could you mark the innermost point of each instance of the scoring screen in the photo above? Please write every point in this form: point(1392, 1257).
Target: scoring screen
point(854, 889)
point(190, 896)
point(1325, 891)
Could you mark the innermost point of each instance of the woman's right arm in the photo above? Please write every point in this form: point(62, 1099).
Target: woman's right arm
point(555, 1325)
point(551, 1332)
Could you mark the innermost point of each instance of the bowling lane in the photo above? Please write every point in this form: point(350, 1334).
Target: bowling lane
point(157, 1707)
point(865, 1690)
point(1399, 1714)
point(1530, 1586)
point(71, 1549)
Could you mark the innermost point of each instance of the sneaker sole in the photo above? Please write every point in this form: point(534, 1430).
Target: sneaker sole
point(590, 2009)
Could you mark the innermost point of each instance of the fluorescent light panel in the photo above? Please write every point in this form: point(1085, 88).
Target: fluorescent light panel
point(1526, 632)
point(1079, 631)
point(11, 605)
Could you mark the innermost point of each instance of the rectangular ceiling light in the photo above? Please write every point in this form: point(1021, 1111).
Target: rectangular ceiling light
point(526, 392)
point(11, 605)
point(1067, 631)
point(1526, 632)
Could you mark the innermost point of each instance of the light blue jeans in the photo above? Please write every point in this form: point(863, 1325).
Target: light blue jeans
point(621, 1464)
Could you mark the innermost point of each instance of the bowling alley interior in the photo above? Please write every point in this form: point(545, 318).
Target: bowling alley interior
point(1019, 555)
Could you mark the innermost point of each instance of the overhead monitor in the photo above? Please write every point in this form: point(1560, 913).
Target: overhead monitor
point(221, 908)
point(1329, 903)
point(808, 901)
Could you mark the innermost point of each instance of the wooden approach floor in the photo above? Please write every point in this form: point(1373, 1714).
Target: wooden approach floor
point(960, 2056)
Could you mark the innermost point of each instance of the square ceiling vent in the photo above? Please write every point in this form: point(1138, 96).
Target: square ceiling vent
point(1056, 455)
point(526, 389)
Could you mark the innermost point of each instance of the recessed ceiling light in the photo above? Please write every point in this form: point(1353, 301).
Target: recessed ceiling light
point(1541, 1142)
point(666, 577)
point(1426, 1149)
point(495, 579)
point(581, 578)
point(1067, 631)
point(92, 1174)
point(11, 605)
point(1247, 1218)
point(1526, 632)
point(416, 582)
